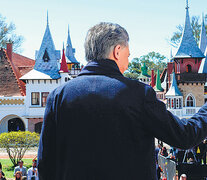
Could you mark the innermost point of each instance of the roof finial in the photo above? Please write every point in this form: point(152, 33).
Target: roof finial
point(63, 46)
point(187, 7)
point(47, 19)
point(68, 29)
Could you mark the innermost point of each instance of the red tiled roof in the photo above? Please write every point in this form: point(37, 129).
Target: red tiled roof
point(20, 66)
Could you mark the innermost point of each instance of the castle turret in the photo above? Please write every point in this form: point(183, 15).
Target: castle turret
point(144, 76)
point(64, 69)
point(47, 58)
point(174, 96)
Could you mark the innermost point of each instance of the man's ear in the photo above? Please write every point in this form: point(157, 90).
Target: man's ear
point(116, 52)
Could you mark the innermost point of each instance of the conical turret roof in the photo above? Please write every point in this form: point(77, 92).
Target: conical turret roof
point(203, 38)
point(144, 71)
point(173, 91)
point(46, 59)
point(63, 65)
point(70, 50)
point(158, 87)
point(188, 47)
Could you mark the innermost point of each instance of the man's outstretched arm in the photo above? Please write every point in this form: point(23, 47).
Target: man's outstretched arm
point(162, 124)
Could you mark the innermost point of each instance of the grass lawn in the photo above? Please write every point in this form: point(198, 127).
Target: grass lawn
point(8, 169)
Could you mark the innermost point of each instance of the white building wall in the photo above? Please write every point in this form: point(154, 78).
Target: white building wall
point(38, 86)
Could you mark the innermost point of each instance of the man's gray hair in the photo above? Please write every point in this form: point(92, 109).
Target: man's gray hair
point(102, 38)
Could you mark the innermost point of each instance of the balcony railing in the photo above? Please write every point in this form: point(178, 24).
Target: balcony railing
point(185, 111)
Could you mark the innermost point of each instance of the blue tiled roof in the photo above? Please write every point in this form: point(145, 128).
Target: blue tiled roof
point(51, 67)
point(203, 66)
point(188, 47)
point(70, 51)
point(203, 38)
point(173, 91)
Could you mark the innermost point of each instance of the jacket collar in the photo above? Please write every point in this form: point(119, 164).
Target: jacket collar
point(101, 67)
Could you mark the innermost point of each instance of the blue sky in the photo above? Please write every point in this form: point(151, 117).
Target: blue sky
point(149, 23)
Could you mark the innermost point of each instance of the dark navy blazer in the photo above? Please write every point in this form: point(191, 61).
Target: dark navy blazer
point(101, 126)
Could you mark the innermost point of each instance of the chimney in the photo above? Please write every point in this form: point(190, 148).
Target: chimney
point(9, 50)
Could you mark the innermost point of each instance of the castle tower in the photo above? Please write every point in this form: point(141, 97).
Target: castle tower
point(73, 64)
point(174, 96)
point(186, 66)
point(64, 69)
point(47, 58)
point(144, 76)
point(158, 88)
point(188, 56)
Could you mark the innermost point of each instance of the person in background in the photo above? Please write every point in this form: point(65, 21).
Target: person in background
point(1, 176)
point(164, 151)
point(183, 177)
point(32, 172)
point(21, 168)
point(18, 175)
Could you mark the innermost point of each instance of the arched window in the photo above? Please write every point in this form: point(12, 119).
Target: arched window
point(16, 124)
point(188, 68)
point(190, 101)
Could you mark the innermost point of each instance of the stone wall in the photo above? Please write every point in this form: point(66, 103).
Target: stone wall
point(196, 89)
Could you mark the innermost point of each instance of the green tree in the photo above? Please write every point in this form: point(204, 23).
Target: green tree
point(153, 60)
point(7, 34)
point(17, 143)
point(196, 27)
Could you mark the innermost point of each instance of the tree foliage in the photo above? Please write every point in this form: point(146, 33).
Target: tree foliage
point(153, 60)
point(17, 143)
point(196, 27)
point(7, 34)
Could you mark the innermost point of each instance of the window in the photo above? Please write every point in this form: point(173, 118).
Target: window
point(190, 101)
point(46, 56)
point(188, 68)
point(44, 98)
point(35, 98)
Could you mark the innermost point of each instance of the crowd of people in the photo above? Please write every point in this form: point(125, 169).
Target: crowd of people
point(195, 155)
point(21, 172)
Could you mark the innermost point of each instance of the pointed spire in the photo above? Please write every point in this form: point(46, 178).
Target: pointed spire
point(203, 38)
point(187, 7)
point(188, 47)
point(47, 19)
point(63, 66)
point(158, 86)
point(69, 50)
point(173, 91)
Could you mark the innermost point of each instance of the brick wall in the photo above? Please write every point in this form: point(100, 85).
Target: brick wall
point(32, 122)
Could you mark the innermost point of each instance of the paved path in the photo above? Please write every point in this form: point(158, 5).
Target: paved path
point(30, 154)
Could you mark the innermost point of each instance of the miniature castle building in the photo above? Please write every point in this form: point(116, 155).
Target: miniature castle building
point(174, 96)
point(144, 76)
point(188, 56)
point(158, 88)
point(185, 77)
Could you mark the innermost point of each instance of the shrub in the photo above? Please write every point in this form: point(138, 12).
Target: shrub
point(17, 143)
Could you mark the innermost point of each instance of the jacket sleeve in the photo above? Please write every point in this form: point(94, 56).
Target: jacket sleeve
point(47, 143)
point(180, 133)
